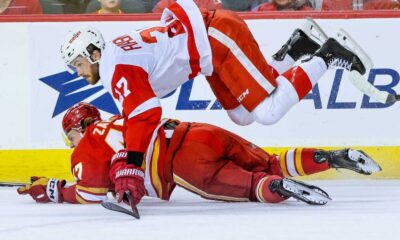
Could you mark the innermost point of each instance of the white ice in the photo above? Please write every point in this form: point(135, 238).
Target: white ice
point(365, 210)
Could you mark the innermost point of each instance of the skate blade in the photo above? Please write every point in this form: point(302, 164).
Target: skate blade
point(367, 88)
point(365, 163)
point(305, 194)
point(348, 42)
point(314, 31)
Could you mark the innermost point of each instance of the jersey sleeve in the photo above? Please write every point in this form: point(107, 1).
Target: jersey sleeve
point(81, 194)
point(141, 108)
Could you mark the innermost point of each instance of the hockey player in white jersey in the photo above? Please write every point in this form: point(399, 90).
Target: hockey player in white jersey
point(141, 67)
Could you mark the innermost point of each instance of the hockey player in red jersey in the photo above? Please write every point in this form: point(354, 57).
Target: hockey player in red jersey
point(202, 158)
point(140, 68)
point(93, 144)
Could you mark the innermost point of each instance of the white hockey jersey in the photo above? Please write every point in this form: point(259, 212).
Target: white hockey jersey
point(171, 53)
point(140, 67)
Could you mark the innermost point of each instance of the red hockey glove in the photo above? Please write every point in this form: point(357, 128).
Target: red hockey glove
point(127, 178)
point(44, 190)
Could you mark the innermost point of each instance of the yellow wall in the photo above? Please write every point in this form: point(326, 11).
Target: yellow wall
point(19, 165)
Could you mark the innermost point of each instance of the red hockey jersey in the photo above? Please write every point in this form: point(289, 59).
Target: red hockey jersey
point(91, 160)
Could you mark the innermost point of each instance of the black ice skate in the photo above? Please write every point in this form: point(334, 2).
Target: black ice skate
point(336, 55)
point(302, 42)
point(355, 160)
point(301, 191)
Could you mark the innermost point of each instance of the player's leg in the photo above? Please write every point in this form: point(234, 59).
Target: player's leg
point(241, 68)
point(221, 179)
point(306, 161)
point(201, 165)
point(210, 163)
point(292, 87)
point(238, 61)
point(236, 112)
point(304, 41)
point(295, 83)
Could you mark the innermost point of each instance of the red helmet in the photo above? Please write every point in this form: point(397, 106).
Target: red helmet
point(76, 114)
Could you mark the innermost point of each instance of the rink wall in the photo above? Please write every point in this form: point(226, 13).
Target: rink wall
point(36, 91)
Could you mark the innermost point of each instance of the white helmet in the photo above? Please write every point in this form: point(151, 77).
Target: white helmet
point(82, 42)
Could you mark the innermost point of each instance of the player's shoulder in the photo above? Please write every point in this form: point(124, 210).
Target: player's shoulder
point(100, 128)
point(128, 52)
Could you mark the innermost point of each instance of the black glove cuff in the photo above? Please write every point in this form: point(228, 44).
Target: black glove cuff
point(135, 158)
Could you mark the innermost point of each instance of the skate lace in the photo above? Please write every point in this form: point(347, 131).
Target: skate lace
point(339, 62)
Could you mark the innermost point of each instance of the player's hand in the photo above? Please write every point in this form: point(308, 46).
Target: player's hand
point(128, 179)
point(43, 190)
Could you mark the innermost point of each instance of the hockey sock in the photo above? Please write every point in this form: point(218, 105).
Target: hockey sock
point(306, 75)
point(300, 162)
point(261, 190)
point(293, 86)
point(280, 67)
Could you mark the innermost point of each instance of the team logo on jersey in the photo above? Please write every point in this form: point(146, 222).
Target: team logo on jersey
point(73, 89)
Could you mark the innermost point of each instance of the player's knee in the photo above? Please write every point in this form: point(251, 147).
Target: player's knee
point(267, 118)
point(266, 114)
point(240, 116)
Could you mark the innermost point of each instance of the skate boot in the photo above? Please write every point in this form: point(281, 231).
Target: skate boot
point(301, 191)
point(355, 160)
point(337, 56)
point(302, 42)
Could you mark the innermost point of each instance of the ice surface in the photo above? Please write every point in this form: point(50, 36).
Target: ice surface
point(362, 210)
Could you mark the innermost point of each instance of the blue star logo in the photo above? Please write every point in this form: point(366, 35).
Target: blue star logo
point(73, 89)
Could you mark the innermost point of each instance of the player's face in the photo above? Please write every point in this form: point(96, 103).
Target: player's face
point(283, 2)
point(109, 3)
point(74, 138)
point(87, 70)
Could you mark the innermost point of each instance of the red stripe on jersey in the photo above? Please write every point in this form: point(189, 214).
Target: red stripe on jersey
point(300, 81)
point(193, 52)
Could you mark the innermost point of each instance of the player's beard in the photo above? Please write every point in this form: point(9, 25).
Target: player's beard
point(95, 74)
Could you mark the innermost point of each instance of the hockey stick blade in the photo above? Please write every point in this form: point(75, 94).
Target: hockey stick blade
point(115, 207)
point(367, 88)
point(392, 98)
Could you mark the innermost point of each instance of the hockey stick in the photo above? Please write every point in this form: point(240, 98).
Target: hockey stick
point(370, 90)
point(115, 207)
point(12, 184)
point(357, 79)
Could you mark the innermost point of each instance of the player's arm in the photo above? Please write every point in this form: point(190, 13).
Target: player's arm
point(92, 179)
point(142, 113)
point(79, 193)
point(141, 109)
point(44, 190)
